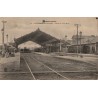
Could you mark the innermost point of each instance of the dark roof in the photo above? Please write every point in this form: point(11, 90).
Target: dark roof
point(38, 37)
point(85, 40)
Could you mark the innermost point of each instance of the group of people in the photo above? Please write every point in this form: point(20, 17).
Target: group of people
point(7, 51)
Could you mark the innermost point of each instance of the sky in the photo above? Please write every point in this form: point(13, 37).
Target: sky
point(61, 26)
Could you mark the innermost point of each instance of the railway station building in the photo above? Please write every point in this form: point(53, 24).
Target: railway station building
point(86, 45)
point(48, 43)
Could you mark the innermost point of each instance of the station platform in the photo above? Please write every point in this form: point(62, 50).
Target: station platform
point(10, 63)
point(73, 54)
point(87, 58)
point(91, 60)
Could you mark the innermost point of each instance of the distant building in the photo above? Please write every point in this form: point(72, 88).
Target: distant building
point(64, 45)
point(86, 44)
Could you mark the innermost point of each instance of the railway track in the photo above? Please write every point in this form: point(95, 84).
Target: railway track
point(39, 72)
point(67, 78)
point(45, 74)
point(68, 64)
point(38, 67)
point(29, 69)
point(50, 68)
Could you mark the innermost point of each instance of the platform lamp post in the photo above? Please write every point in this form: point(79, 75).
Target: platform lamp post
point(77, 26)
point(7, 38)
point(80, 41)
point(60, 46)
point(65, 38)
point(66, 50)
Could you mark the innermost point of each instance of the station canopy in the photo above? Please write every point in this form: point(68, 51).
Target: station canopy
point(38, 37)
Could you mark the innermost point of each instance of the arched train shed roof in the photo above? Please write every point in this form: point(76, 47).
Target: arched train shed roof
point(38, 37)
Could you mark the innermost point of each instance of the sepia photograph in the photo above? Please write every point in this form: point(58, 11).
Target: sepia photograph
point(48, 48)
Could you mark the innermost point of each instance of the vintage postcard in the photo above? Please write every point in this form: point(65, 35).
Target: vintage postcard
point(48, 48)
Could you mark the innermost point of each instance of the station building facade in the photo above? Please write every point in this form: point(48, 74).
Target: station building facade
point(86, 45)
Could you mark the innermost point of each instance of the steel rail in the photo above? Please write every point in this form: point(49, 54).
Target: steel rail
point(49, 68)
point(29, 69)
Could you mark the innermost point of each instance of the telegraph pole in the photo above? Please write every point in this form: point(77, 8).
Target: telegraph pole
point(97, 23)
point(3, 31)
point(96, 35)
point(3, 47)
point(77, 26)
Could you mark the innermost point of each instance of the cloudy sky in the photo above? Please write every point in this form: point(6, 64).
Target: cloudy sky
point(16, 27)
